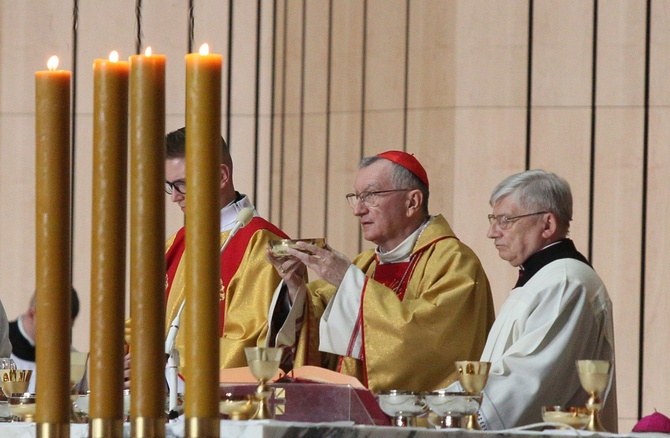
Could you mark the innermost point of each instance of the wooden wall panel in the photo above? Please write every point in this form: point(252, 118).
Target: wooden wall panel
point(561, 100)
point(345, 150)
point(656, 382)
point(430, 96)
point(385, 40)
point(27, 41)
point(292, 123)
point(265, 99)
point(314, 143)
point(617, 217)
point(490, 120)
point(102, 28)
point(276, 205)
point(241, 116)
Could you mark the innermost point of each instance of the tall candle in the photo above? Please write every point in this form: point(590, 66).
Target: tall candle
point(203, 134)
point(108, 263)
point(52, 250)
point(147, 242)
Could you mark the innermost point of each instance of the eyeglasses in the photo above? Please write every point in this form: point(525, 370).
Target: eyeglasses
point(179, 186)
point(505, 222)
point(369, 199)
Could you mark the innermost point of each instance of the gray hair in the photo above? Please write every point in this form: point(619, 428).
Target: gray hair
point(538, 190)
point(401, 178)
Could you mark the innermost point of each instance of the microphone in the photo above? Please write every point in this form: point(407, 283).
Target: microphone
point(172, 333)
point(242, 219)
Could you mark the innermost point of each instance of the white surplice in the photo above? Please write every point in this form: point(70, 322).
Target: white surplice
point(562, 314)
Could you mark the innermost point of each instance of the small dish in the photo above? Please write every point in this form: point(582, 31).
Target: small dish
point(575, 417)
point(279, 247)
point(238, 406)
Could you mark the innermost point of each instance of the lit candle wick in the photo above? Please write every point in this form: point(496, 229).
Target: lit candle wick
point(114, 56)
point(52, 63)
point(147, 52)
point(204, 49)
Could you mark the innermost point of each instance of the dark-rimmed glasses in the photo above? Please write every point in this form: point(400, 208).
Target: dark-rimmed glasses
point(504, 222)
point(369, 198)
point(179, 186)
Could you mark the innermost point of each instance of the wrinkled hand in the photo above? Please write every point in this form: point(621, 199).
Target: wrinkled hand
point(326, 262)
point(126, 371)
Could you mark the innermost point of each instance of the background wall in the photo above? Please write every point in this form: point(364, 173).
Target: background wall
point(476, 89)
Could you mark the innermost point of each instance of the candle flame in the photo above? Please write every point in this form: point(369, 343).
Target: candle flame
point(147, 52)
point(204, 49)
point(114, 56)
point(52, 63)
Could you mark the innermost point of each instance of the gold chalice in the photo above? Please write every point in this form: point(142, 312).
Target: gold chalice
point(78, 362)
point(473, 375)
point(594, 376)
point(263, 363)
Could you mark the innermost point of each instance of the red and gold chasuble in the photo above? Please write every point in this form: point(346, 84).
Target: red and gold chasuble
point(244, 272)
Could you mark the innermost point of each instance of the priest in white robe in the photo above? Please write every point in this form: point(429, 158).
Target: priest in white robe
point(558, 312)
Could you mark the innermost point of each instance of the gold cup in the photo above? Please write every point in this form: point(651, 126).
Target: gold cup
point(264, 364)
point(594, 376)
point(473, 375)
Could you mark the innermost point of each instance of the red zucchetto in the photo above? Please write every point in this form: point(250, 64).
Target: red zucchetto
point(408, 162)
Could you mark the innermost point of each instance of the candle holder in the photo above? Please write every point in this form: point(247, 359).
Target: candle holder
point(264, 364)
point(473, 375)
point(594, 376)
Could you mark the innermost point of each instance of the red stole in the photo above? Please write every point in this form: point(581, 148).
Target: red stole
point(229, 264)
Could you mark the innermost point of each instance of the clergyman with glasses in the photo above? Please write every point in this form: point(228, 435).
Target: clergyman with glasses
point(399, 315)
point(247, 280)
point(558, 312)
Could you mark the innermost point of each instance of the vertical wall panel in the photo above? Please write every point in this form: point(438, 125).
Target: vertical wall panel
point(490, 120)
point(656, 382)
point(242, 94)
point(345, 122)
point(561, 99)
point(430, 96)
point(315, 123)
point(277, 122)
point(618, 182)
point(291, 138)
point(384, 116)
point(264, 176)
point(155, 13)
point(27, 40)
point(102, 28)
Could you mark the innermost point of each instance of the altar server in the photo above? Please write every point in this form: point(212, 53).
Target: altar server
point(558, 312)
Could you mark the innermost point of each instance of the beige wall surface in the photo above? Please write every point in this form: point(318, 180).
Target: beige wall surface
point(476, 89)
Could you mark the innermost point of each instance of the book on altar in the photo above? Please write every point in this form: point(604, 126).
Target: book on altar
point(305, 373)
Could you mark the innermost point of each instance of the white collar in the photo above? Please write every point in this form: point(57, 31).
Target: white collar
point(403, 251)
point(229, 212)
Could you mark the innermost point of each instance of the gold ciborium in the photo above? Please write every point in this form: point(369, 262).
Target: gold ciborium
point(473, 375)
point(263, 363)
point(594, 376)
point(15, 381)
